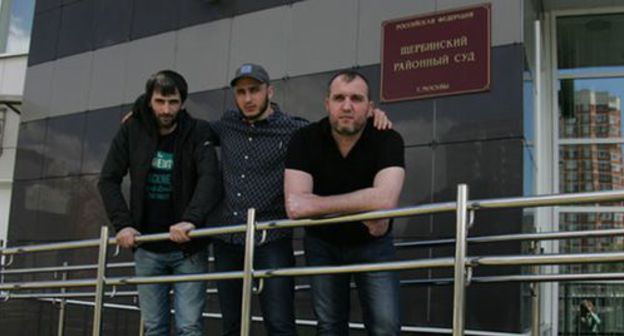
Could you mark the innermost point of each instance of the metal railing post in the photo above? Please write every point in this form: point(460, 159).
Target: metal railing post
point(141, 326)
point(535, 295)
point(100, 282)
point(62, 304)
point(250, 244)
point(3, 244)
point(2, 259)
point(459, 286)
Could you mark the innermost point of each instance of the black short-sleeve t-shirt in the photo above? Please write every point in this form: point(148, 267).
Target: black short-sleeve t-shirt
point(313, 150)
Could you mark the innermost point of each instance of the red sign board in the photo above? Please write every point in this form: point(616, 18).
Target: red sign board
point(436, 55)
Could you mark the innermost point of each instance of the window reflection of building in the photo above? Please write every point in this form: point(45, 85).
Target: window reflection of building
point(592, 167)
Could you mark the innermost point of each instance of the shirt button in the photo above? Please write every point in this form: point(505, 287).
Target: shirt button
point(243, 176)
point(246, 157)
point(250, 138)
point(238, 194)
point(235, 213)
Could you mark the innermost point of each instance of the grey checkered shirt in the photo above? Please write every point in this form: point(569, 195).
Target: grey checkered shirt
point(253, 158)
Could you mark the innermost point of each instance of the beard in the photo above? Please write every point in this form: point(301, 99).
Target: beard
point(166, 122)
point(258, 115)
point(350, 129)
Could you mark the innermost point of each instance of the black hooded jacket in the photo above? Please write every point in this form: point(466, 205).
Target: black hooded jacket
point(197, 186)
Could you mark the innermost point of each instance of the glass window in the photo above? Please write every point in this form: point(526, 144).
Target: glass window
point(590, 65)
point(16, 17)
point(590, 41)
point(588, 106)
point(602, 168)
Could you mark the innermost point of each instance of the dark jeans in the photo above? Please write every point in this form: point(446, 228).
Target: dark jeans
point(277, 297)
point(378, 291)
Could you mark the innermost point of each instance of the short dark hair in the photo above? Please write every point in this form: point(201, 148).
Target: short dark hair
point(349, 76)
point(166, 82)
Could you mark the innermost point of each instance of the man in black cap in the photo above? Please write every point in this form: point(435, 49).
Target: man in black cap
point(253, 139)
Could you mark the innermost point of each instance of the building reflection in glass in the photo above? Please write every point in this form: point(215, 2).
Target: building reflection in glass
point(591, 167)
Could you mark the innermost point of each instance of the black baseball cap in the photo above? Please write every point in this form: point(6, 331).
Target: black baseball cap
point(250, 70)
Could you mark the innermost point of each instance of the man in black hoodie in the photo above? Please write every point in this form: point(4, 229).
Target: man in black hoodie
point(174, 183)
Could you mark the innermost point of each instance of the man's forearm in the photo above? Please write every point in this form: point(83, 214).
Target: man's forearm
point(368, 199)
point(302, 203)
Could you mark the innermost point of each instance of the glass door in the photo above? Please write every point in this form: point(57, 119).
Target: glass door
point(590, 157)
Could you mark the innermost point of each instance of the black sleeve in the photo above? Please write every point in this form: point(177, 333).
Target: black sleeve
point(208, 190)
point(298, 154)
point(114, 169)
point(392, 152)
point(216, 127)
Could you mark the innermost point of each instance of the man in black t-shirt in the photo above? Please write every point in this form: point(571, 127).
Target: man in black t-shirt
point(341, 165)
point(174, 184)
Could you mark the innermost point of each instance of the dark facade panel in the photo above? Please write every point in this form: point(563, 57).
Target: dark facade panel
point(248, 6)
point(112, 22)
point(28, 317)
point(56, 211)
point(491, 169)
point(304, 96)
point(79, 321)
point(23, 216)
point(29, 156)
point(100, 129)
point(119, 21)
point(44, 37)
point(45, 5)
point(89, 211)
point(151, 17)
point(416, 191)
point(206, 105)
point(63, 145)
point(415, 299)
point(413, 118)
point(193, 12)
point(493, 114)
point(77, 26)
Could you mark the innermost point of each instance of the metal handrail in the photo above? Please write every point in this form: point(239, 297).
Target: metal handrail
point(586, 258)
point(559, 277)
point(517, 237)
point(461, 263)
point(424, 243)
point(512, 202)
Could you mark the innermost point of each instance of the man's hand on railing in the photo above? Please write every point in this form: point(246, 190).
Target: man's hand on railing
point(296, 204)
point(377, 227)
point(125, 237)
point(179, 232)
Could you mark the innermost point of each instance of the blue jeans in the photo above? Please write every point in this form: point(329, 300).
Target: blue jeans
point(277, 297)
point(189, 297)
point(378, 291)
